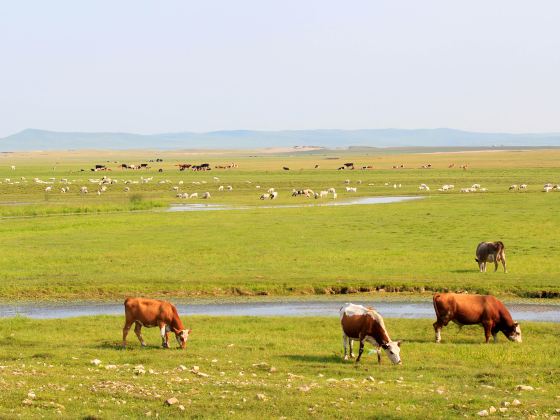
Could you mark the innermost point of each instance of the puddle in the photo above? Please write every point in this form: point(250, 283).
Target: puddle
point(353, 202)
point(519, 311)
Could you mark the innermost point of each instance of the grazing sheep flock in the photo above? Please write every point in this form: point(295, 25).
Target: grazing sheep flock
point(104, 183)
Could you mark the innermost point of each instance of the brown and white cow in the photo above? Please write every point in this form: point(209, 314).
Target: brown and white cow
point(365, 324)
point(475, 309)
point(490, 252)
point(154, 313)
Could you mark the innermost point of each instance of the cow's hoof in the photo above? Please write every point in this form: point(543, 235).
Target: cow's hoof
point(346, 357)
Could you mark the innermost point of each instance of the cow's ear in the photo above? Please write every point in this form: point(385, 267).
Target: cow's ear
point(399, 343)
point(516, 324)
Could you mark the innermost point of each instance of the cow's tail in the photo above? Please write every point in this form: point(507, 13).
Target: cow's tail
point(434, 300)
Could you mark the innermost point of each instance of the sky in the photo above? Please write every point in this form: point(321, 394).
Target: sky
point(179, 65)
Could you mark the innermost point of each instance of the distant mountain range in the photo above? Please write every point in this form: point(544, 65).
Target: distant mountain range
point(32, 139)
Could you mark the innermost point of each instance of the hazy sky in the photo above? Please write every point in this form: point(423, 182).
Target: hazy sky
point(160, 66)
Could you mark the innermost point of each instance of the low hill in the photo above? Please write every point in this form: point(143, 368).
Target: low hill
point(32, 139)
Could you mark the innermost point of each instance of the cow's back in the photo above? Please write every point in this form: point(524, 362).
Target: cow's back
point(148, 311)
point(466, 309)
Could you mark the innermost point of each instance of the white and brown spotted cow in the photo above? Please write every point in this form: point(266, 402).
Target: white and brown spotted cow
point(366, 324)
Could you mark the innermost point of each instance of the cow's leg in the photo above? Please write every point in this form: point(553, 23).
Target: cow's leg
point(344, 343)
point(487, 330)
point(495, 265)
point(361, 348)
point(437, 328)
point(484, 266)
point(378, 350)
point(138, 332)
point(481, 267)
point(351, 345)
point(125, 330)
point(504, 263)
point(164, 336)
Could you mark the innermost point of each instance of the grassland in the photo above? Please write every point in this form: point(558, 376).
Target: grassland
point(295, 363)
point(110, 246)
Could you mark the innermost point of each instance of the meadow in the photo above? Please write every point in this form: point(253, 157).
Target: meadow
point(250, 367)
point(74, 246)
point(71, 246)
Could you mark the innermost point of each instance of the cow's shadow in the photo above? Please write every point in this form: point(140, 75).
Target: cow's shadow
point(108, 345)
point(310, 358)
point(463, 270)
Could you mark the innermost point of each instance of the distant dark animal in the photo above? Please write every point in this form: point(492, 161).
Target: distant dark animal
point(475, 309)
point(366, 324)
point(316, 166)
point(144, 166)
point(160, 170)
point(285, 168)
point(349, 164)
point(490, 252)
point(183, 166)
point(342, 168)
point(154, 313)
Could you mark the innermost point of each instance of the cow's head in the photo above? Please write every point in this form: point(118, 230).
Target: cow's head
point(393, 350)
point(514, 334)
point(182, 336)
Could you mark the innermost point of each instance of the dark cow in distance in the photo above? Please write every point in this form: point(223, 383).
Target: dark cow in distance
point(154, 313)
point(490, 252)
point(366, 324)
point(475, 309)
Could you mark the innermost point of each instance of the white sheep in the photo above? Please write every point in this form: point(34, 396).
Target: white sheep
point(206, 195)
point(221, 188)
point(194, 195)
point(273, 195)
point(265, 196)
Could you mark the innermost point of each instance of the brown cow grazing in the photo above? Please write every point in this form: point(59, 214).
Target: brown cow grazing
point(475, 309)
point(365, 324)
point(490, 252)
point(151, 313)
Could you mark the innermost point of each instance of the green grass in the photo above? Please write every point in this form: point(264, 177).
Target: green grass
point(119, 244)
point(457, 378)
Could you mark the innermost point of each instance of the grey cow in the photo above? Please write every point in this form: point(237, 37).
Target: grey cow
point(490, 252)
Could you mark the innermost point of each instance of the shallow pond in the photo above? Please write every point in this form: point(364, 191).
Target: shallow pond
point(352, 202)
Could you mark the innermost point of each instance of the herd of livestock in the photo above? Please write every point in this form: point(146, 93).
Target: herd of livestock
point(359, 323)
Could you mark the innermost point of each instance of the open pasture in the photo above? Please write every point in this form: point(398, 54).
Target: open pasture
point(271, 367)
point(416, 246)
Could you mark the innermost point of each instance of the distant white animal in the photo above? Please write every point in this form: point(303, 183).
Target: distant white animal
point(523, 186)
point(351, 189)
point(547, 189)
point(175, 188)
point(347, 181)
point(331, 190)
point(424, 187)
point(126, 189)
point(273, 195)
point(513, 187)
point(48, 189)
point(84, 190)
point(265, 196)
point(13, 168)
point(258, 187)
point(221, 188)
point(229, 188)
point(270, 190)
point(206, 195)
point(334, 196)
point(475, 186)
